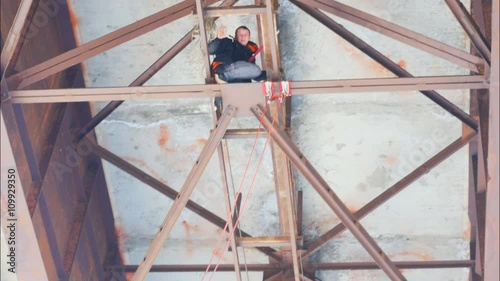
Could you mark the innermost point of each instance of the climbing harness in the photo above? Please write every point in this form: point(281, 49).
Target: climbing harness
point(269, 92)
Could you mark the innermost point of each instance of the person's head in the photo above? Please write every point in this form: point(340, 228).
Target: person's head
point(242, 35)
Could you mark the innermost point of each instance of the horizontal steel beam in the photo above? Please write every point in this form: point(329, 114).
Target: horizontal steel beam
point(270, 241)
point(399, 264)
point(208, 91)
point(234, 11)
point(244, 133)
point(319, 266)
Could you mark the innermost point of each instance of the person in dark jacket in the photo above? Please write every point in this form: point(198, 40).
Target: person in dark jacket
point(234, 59)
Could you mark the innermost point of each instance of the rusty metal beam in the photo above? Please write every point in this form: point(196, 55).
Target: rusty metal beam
point(399, 264)
point(300, 213)
point(244, 133)
point(223, 154)
point(492, 251)
point(476, 218)
point(183, 198)
point(15, 38)
point(203, 267)
point(99, 45)
point(88, 185)
point(36, 188)
point(272, 38)
point(292, 222)
point(274, 277)
point(268, 241)
point(333, 201)
point(471, 28)
point(235, 11)
point(393, 190)
point(26, 248)
point(384, 61)
point(203, 38)
point(319, 266)
point(141, 80)
point(207, 91)
point(399, 33)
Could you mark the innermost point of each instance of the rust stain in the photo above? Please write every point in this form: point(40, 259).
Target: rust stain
point(145, 166)
point(217, 252)
point(466, 233)
point(192, 148)
point(195, 147)
point(189, 243)
point(92, 107)
point(390, 159)
point(164, 137)
point(4, 206)
point(420, 256)
point(371, 64)
point(120, 235)
point(402, 63)
point(352, 208)
point(75, 21)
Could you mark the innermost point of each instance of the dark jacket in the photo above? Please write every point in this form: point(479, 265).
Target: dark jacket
point(227, 51)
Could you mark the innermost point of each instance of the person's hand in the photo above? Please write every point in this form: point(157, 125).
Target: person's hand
point(221, 33)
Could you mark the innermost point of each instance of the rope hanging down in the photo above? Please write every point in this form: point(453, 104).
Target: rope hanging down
point(233, 206)
point(284, 93)
point(244, 202)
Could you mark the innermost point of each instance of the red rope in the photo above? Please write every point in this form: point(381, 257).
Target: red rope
point(236, 198)
point(246, 197)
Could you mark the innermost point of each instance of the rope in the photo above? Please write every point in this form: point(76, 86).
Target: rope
point(239, 229)
point(247, 196)
point(235, 199)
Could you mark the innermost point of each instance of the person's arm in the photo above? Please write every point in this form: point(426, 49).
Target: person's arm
point(214, 44)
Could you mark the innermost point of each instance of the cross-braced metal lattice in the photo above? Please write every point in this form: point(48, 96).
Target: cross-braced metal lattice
point(284, 264)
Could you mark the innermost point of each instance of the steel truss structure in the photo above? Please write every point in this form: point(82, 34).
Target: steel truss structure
point(284, 264)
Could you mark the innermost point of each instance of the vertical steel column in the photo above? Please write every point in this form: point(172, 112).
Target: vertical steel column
point(203, 38)
point(471, 28)
point(271, 35)
point(300, 205)
point(184, 194)
point(222, 152)
point(26, 248)
point(334, 202)
point(492, 251)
